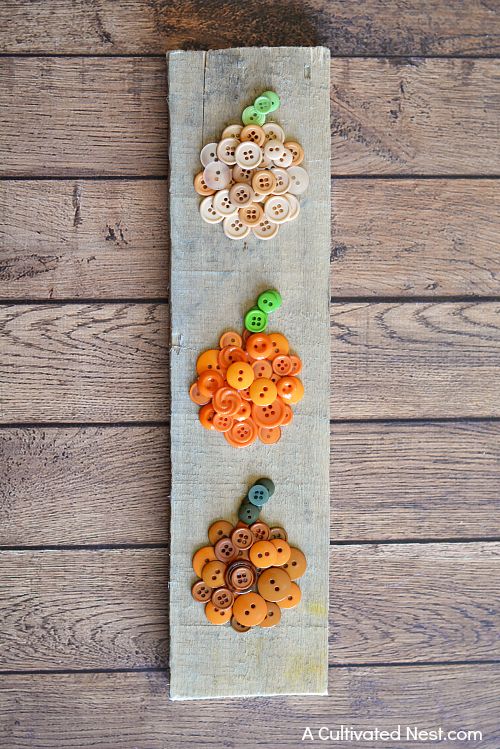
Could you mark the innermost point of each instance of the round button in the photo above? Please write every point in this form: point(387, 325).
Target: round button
point(277, 532)
point(280, 345)
point(274, 149)
point(206, 416)
point(242, 538)
point(213, 574)
point(201, 592)
point(273, 131)
point(248, 155)
point(217, 175)
point(251, 215)
point(219, 529)
point(202, 557)
point(260, 531)
point(226, 401)
point(241, 194)
point(217, 616)
point(282, 180)
point(251, 116)
point(249, 609)
point(240, 174)
point(274, 584)
point(263, 105)
point(208, 212)
point(262, 368)
point(253, 133)
point(201, 187)
point(223, 204)
point(268, 484)
point(230, 354)
point(288, 416)
point(209, 381)
point(292, 598)
point(234, 228)
point(208, 360)
point(269, 435)
point(269, 300)
point(273, 616)
point(263, 554)
point(208, 154)
point(226, 149)
point(222, 422)
point(255, 319)
point(225, 550)
point(240, 375)
point(268, 417)
point(299, 180)
point(248, 512)
point(197, 397)
point(263, 182)
point(285, 160)
point(273, 98)
point(239, 627)
point(296, 364)
point(265, 229)
point(294, 206)
point(242, 434)
point(231, 338)
point(296, 150)
point(232, 131)
point(259, 346)
point(282, 365)
point(296, 565)
point(277, 208)
point(283, 551)
point(258, 495)
point(222, 598)
point(262, 392)
point(244, 412)
point(289, 388)
point(240, 576)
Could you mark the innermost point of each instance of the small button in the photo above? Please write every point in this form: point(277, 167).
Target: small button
point(217, 616)
point(269, 300)
point(258, 495)
point(234, 229)
point(208, 154)
point(208, 212)
point(253, 133)
point(240, 576)
point(251, 215)
point(250, 116)
point(288, 415)
point(217, 175)
point(296, 364)
point(274, 99)
point(226, 150)
point(299, 180)
point(263, 554)
point(240, 174)
point(230, 338)
point(282, 365)
point(255, 319)
point(208, 360)
point(240, 375)
point(239, 627)
point(249, 609)
point(269, 435)
point(285, 160)
point(248, 155)
point(263, 392)
point(209, 382)
point(296, 150)
point(292, 598)
point(219, 529)
point(273, 131)
point(283, 551)
point(222, 422)
point(201, 187)
point(274, 149)
point(280, 345)
point(265, 229)
point(296, 565)
point(213, 574)
point(225, 550)
point(241, 194)
point(222, 203)
point(263, 104)
point(260, 531)
point(226, 401)
point(248, 512)
point(242, 538)
point(274, 584)
point(268, 417)
point(196, 396)
point(222, 598)
point(201, 592)
point(277, 532)
point(263, 181)
point(242, 434)
point(262, 368)
point(289, 388)
point(202, 557)
point(273, 615)
point(206, 416)
point(232, 131)
point(282, 180)
point(277, 208)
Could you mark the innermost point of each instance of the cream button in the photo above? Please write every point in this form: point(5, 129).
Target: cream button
point(273, 132)
point(274, 149)
point(226, 149)
point(241, 194)
point(282, 180)
point(208, 154)
point(251, 215)
point(242, 175)
point(223, 204)
point(277, 208)
point(234, 228)
point(299, 180)
point(294, 206)
point(248, 155)
point(217, 175)
point(265, 229)
point(208, 212)
point(285, 160)
point(232, 131)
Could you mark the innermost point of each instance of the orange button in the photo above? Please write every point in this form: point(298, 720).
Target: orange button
point(196, 396)
point(262, 368)
point(263, 392)
point(296, 150)
point(242, 538)
point(253, 133)
point(269, 436)
point(206, 416)
point(292, 598)
point(283, 551)
point(225, 550)
point(296, 565)
point(222, 598)
point(245, 394)
point(259, 346)
point(273, 615)
point(274, 584)
point(279, 345)
point(201, 592)
point(202, 557)
point(209, 381)
point(230, 339)
point(239, 627)
point(251, 215)
point(277, 532)
point(240, 375)
point(244, 412)
point(240, 575)
point(226, 401)
point(242, 433)
point(249, 609)
point(208, 360)
point(296, 364)
point(217, 616)
point(260, 530)
point(213, 574)
point(290, 388)
point(269, 416)
point(288, 416)
point(222, 423)
point(219, 529)
point(282, 365)
point(230, 354)
point(263, 554)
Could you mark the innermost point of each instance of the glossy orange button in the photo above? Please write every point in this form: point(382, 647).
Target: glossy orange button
point(263, 554)
point(262, 368)
point(201, 592)
point(269, 436)
point(296, 364)
point(202, 557)
point(222, 598)
point(288, 416)
point(243, 412)
point(290, 388)
point(279, 345)
point(208, 360)
point(242, 433)
point(263, 392)
point(196, 396)
point(242, 538)
point(249, 609)
point(209, 382)
point(283, 551)
point(230, 354)
point(259, 346)
point(240, 375)
point(296, 565)
point(206, 416)
point(213, 574)
point(226, 401)
point(273, 616)
point(217, 616)
point(269, 416)
point(282, 365)
point(260, 530)
point(231, 338)
point(219, 529)
point(222, 422)
point(292, 598)
point(274, 584)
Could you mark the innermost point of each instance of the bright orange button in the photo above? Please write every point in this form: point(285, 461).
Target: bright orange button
point(230, 354)
point(230, 339)
point(290, 388)
point(222, 422)
point(244, 412)
point(263, 392)
point(217, 616)
point(269, 435)
point(226, 401)
point(242, 433)
point(296, 364)
point(206, 416)
point(279, 345)
point(208, 360)
point(209, 381)
point(240, 375)
point(282, 365)
point(262, 368)
point(196, 396)
point(259, 346)
point(269, 416)
point(249, 609)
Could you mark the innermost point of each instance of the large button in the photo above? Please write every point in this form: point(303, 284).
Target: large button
point(208, 154)
point(202, 557)
point(226, 149)
point(277, 208)
point(226, 401)
point(255, 320)
point(234, 228)
point(296, 565)
point(217, 616)
point(217, 175)
point(262, 392)
point(242, 538)
point(269, 300)
point(259, 345)
point(273, 131)
point(299, 180)
point(249, 609)
point(269, 435)
point(292, 598)
point(206, 416)
point(241, 194)
point(290, 388)
point(240, 375)
point(265, 229)
point(222, 203)
point(219, 529)
point(296, 150)
point(273, 616)
point(251, 215)
point(201, 592)
point(258, 495)
point(213, 574)
point(260, 531)
point(248, 155)
point(274, 584)
point(283, 551)
point(201, 187)
point(222, 598)
point(242, 434)
point(208, 212)
point(248, 512)
point(251, 116)
point(225, 550)
point(263, 554)
point(209, 382)
point(253, 133)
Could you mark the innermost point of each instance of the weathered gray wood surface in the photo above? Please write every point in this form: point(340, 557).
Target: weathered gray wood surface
point(214, 281)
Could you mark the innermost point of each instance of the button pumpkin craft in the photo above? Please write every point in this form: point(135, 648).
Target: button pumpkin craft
point(247, 575)
point(246, 388)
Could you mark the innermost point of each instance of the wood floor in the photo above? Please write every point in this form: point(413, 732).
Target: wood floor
point(84, 387)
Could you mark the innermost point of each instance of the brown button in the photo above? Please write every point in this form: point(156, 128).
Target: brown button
point(239, 627)
point(292, 598)
point(249, 609)
point(213, 574)
point(274, 584)
point(216, 615)
point(242, 538)
point(296, 565)
point(202, 557)
point(201, 591)
point(263, 554)
point(260, 531)
point(225, 550)
point(278, 533)
point(273, 615)
point(283, 551)
point(240, 576)
point(222, 598)
point(254, 133)
point(219, 529)
point(243, 554)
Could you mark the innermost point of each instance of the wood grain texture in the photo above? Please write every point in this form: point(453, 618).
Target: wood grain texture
point(415, 237)
point(237, 272)
point(82, 116)
point(111, 485)
point(84, 486)
point(109, 239)
point(407, 117)
point(360, 27)
point(415, 360)
point(389, 603)
point(105, 117)
point(96, 363)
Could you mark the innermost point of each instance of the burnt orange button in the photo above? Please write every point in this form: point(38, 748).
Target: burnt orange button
point(259, 346)
point(279, 345)
point(269, 435)
point(219, 529)
point(273, 616)
point(222, 598)
point(240, 576)
point(202, 557)
point(208, 360)
point(217, 616)
point(277, 532)
point(231, 338)
point(240, 375)
point(226, 401)
point(296, 565)
point(242, 538)
point(263, 554)
point(209, 382)
point(213, 574)
point(225, 550)
point(196, 396)
point(206, 416)
point(249, 609)
point(283, 551)
point(263, 392)
point(260, 530)
point(274, 584)
point(292, 598)
point(290, 388)
point(201, 591)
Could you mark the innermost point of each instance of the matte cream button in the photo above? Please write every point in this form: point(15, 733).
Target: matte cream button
point(232, 131)
point(273, 132)
point(208, 154)
point(299, 180)
point(234, 228)
point(274, 149)
point(248, 155)
point(226, 150)
point(240, 174)
point(217, 175)
point(222, 203)
point(282, 180)
point(265, 229)
point(208, 212)
point(285, 160)
point(294, 206)
point(241, 194)
point(277, 208)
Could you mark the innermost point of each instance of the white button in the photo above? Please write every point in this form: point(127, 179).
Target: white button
point(294, 206)
point(277, 208)
point(299, 180)
point(217, 175)
point(265, 229)
point(242, 175)
point(265, 162)
point(232, 131)
point(248, 155)
point(222, 203)
point(208, 212)
point(273, 132)
point(285, 160)
point(234, 229)
point(225, 150)
point(274, 149)
point(241, 194)
point(208, 154)
point(282, 180)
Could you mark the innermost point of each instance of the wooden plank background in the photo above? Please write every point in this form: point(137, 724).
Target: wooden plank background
point(83, 281)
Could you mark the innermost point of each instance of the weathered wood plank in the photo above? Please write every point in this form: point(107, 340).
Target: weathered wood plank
point(109, 239)
point(360, 27)
point(111, 485)
point(389, 603)
point(203, 94)
point(96, 363)
point(407, 117)
point(92, 116)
